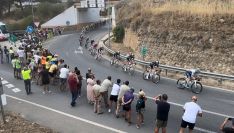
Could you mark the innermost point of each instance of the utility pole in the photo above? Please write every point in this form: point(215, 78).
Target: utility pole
point(109, 21)
point(32, 12)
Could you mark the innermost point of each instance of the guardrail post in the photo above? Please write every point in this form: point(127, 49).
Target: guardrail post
point(220, 81)
point(166, 72)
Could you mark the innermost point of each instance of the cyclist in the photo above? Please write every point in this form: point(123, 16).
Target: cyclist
point(153, 66)
point(87, 42)
point(116, 57)
point(130, 58)
point(99, 52)
point(192, 74)
point(81, 39)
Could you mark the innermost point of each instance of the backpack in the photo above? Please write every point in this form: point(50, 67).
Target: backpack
point(140, 104)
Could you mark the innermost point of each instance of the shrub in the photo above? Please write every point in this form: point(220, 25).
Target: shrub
point(118, 33)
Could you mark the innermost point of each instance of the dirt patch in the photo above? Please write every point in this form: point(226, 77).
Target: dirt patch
point(16, 124)
point(181, 38)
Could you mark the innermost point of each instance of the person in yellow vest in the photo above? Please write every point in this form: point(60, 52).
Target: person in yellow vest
point(13, 60)
point(17, 67)
point(11, 52)
point(26, 74)
point(47, 64)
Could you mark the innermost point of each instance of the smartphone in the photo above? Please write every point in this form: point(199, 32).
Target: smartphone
point(229, 119)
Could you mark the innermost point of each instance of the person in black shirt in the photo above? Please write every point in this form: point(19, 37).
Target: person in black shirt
point(227, 129)
point(163, 108)
point(6, 52)
point(1, 55)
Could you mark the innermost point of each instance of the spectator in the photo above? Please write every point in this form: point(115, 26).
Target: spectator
point(13, 65)
point(140, 106)
point(191, 111)
point(1, 55)
point(27, 79)
point(6, 52)
point(11, 52)
point(80, 78)
point(53, 70)
point(123, 89)
point(89, 73)
point(63, 77)
point(18, 65)
point(114, 94)
point(106, 84)
point(126, 102)
point(45, 80)
point(163, 108)
point(73, 82)
point(225, 129)
point(20, 53)
point(97, 97)
point(90, 84)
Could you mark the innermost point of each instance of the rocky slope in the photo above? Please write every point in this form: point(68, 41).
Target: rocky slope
point(182, 39)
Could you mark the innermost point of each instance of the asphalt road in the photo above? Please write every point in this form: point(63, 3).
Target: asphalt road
point(216, 103)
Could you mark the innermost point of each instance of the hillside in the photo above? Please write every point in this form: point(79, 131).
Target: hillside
point(183, 33)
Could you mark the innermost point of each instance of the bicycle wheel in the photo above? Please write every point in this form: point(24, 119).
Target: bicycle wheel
point(144, 75)
point(181, 83)
point(156, 78)
point(196, 88)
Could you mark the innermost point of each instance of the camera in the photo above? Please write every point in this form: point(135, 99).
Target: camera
point(160, 97)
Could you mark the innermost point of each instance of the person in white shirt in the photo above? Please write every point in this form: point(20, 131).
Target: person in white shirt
point(191, 111)
point(114, 94)
point(106, 84)
point(20, 53)
point(36, 58)
point(63, 77)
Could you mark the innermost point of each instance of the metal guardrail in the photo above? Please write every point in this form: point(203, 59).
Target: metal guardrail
point(219, 77)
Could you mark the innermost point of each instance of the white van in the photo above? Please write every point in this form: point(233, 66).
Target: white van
point(4, 34)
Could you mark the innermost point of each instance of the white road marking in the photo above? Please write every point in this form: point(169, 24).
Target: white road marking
point(9, 86)
point(16, 90)
point(203, 130)
point(79, 50)
point(5, 82)
point(68, 115)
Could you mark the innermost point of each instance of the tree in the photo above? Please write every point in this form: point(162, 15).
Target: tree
point(119, 33)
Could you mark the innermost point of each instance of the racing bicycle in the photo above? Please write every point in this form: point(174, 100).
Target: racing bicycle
point(194, 84)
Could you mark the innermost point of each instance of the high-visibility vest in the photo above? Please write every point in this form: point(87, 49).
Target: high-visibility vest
point(26, 74)
point(17, 64)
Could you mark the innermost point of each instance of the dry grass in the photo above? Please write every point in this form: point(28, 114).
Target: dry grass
point(198, 7)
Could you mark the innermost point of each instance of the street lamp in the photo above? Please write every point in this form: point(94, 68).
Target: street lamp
point(32, 11)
